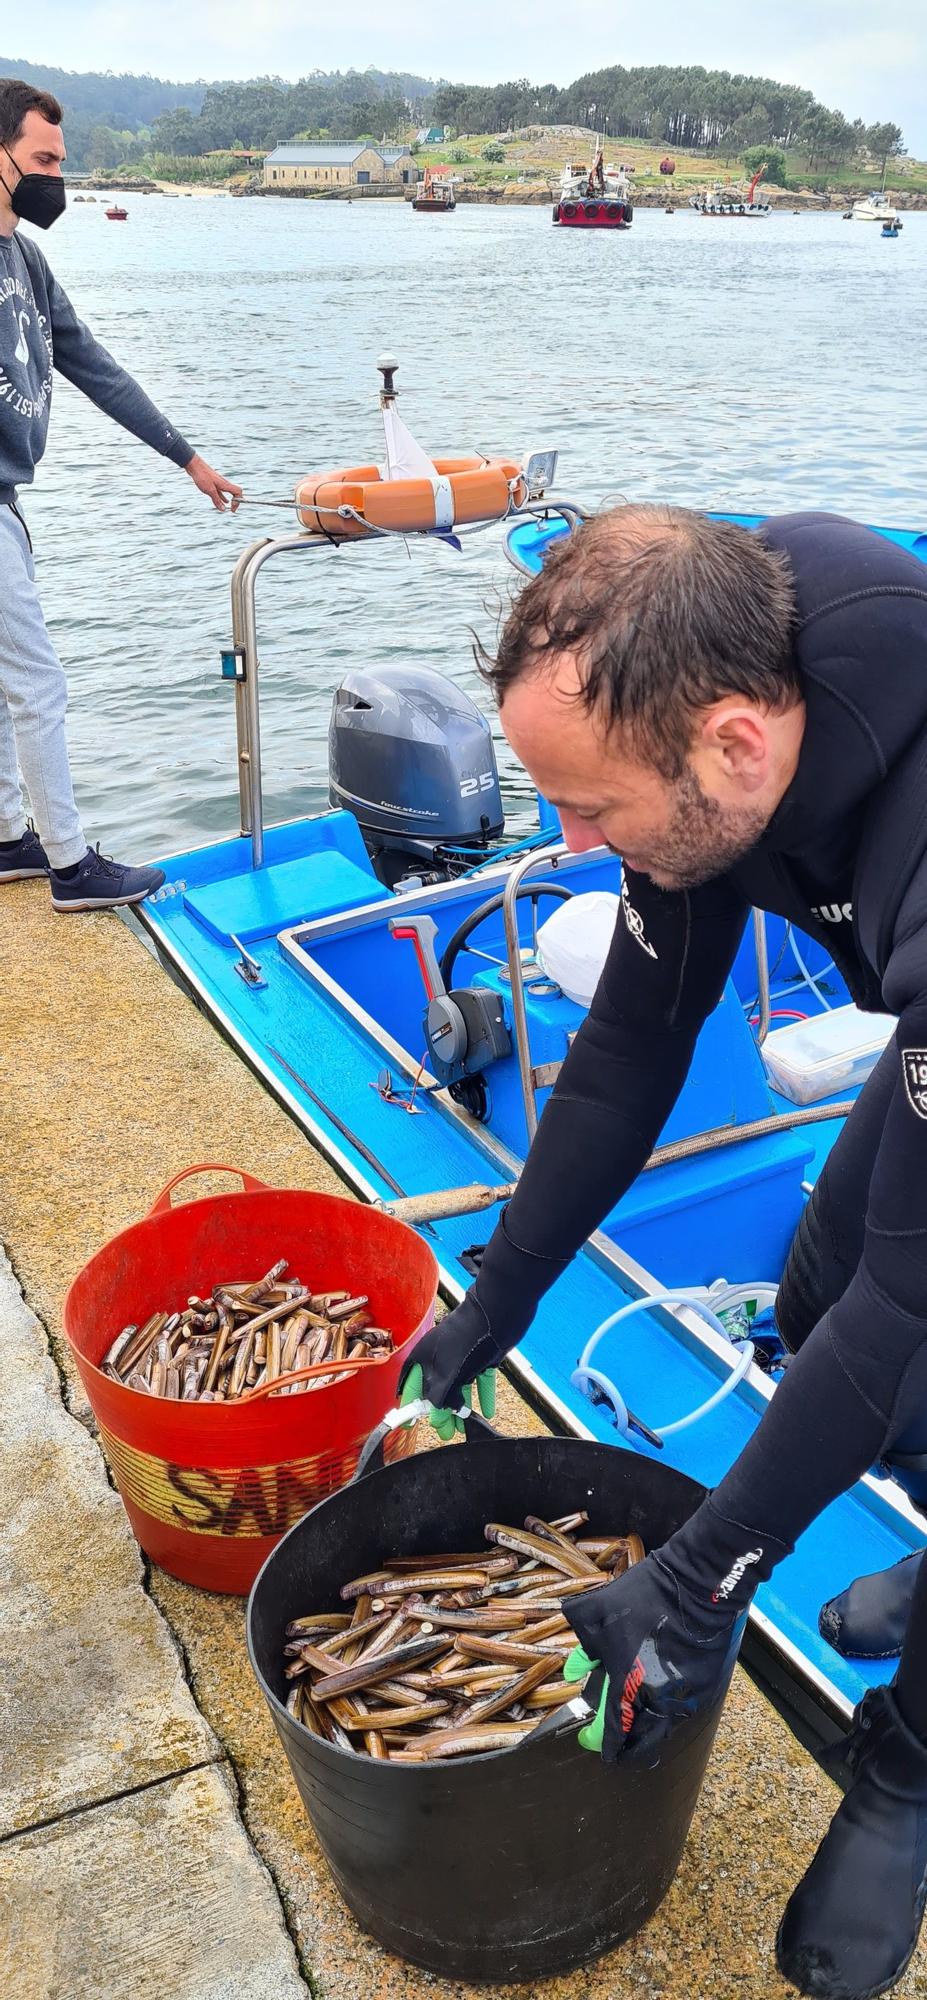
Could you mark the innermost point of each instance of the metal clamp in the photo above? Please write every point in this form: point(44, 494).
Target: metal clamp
point(246, 966)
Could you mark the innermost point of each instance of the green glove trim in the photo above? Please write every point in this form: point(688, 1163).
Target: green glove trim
point(442, 1421)
point(591, 1737)
point(486, 1390)
point(412, 1387)
point(576, 1667)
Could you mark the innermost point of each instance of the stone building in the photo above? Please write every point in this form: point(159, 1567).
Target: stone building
point(357, 164)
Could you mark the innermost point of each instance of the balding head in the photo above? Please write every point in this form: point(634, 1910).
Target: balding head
point(663, 613)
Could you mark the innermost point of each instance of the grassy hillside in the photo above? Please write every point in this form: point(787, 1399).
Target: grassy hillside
point(542, 157)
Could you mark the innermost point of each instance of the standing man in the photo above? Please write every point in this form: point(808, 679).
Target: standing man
point(743, 719)
point(40, 331)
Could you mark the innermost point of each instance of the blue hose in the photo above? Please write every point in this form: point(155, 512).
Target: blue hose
point(584, 1374)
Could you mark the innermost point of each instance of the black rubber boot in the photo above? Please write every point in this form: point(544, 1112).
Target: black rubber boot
point(869, 1619)
point(851, 1925)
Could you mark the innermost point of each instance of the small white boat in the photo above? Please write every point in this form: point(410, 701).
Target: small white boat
point(874, 208)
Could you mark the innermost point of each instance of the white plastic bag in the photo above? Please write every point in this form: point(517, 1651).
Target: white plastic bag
point(574, 943)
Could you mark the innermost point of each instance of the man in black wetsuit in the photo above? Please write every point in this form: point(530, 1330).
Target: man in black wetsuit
point(743, 719)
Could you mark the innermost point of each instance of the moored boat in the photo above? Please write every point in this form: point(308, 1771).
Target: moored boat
point(596, 197)
point(436, 195)
point(874, 207)
point(295, 939)
point(729, 201)
point(117, 214)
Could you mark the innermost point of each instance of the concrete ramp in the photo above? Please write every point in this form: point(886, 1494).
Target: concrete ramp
point(124, 1867)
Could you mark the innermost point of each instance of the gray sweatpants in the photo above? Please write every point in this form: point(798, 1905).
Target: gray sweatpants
point(33, 702)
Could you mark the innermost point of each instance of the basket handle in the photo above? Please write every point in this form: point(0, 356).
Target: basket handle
point(250, 1183)
point(316, 1372)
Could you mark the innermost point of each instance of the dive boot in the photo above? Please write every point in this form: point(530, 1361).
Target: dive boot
point(869, 1619)
point(851, 1926)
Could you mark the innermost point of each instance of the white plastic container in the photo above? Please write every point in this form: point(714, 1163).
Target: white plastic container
point(836, 1051)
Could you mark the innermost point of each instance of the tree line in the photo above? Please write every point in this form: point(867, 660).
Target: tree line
point(268, 113)
point(113, 120)
point(699, 109)
point(97, 102)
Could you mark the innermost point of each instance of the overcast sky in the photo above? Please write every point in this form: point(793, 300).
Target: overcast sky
point(855, 56)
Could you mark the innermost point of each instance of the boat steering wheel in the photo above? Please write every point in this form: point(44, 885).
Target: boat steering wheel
point(531, 893)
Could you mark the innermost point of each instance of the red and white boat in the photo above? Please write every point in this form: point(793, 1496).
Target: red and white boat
point(596, 197)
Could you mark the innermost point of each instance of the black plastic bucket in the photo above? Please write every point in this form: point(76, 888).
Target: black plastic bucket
point(511, 1866)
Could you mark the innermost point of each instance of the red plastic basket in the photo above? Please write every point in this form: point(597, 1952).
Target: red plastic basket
point(210, 1488)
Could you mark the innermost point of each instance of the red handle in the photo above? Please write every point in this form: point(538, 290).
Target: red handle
point(404, 931)
point(250, 1183)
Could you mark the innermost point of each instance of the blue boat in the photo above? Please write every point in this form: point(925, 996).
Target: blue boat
point(317, 946)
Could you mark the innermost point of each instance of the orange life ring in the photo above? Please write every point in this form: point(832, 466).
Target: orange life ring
point(464, 490)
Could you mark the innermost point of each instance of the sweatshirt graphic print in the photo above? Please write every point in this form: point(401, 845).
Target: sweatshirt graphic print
point(40, 331)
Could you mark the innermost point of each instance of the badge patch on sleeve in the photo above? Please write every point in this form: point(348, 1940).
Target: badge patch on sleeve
point(914, 1066)
point(635, 924)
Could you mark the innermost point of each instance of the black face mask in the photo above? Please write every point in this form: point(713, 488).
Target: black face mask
point(37, 198)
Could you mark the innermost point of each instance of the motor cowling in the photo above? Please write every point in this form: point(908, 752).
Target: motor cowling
point(411, 756)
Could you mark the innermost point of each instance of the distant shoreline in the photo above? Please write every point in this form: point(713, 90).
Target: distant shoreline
point(907, 201)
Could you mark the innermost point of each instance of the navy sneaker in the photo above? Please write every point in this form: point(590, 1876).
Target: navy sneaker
point(26, 859)
point(101, 884)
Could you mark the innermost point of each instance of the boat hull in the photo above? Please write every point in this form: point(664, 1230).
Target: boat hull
point(593, 214)
point(434, 207)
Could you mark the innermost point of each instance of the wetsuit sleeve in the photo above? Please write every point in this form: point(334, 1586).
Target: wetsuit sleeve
point(82, 360)
point(665, 972)
point(859, 1383)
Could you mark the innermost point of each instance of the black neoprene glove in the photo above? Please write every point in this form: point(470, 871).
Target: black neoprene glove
point(490, 1320)
point(668, 1631)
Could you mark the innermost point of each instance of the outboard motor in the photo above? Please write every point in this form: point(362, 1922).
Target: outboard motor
point(411, 756)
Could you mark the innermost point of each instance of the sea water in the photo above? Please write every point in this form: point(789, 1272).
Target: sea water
point(752, 365)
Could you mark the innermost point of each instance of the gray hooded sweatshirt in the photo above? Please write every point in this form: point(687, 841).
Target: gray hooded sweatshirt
point(39, 331)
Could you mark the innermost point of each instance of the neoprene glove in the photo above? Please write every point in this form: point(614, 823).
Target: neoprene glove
point(668, 1631)
point(475, 1337)
point(451, 1356)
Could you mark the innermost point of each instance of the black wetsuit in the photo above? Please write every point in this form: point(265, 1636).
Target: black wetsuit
point(845, 858)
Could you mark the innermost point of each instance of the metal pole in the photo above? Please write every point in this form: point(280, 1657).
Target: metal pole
point(242, 713)
point(519, 1010)
point(762, 974)
point(247, 693)
point(244, 636)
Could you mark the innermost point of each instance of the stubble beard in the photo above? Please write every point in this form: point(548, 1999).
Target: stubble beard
point(703, 839)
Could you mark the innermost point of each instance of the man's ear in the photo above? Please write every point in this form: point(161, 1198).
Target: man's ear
point(735, 740)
